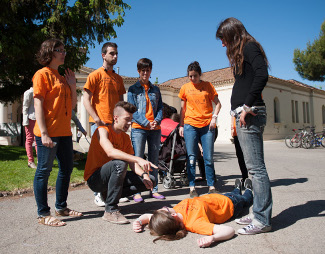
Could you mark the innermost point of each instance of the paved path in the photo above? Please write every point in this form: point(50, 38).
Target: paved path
point(298, 187)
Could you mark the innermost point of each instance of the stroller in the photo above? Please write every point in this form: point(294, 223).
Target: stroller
point(172, 160)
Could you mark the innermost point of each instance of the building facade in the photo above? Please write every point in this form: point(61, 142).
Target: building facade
point(290, 105)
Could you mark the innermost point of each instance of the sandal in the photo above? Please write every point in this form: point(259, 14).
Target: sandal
point(68, 212)
point(51, 221)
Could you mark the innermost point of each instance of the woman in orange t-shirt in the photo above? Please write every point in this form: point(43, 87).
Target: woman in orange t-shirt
point(198, 215)
point(54, 98)
point(146, 120)
point(198, 124)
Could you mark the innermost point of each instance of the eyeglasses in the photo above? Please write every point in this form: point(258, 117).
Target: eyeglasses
point(61, 51)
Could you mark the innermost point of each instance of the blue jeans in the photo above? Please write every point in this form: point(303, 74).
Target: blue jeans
point(251, 141)
point(113, 181)
point(93, 128)
point(63, 151)
point(240, 201)
point(139, 138)
point(192, 135)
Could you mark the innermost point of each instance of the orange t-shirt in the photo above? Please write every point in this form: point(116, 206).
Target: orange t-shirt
point(201, 213)
point(149, 111)
point(234, 124)
point(106, 87)
point(54, 89)
point(198, 98)
point(97, 157)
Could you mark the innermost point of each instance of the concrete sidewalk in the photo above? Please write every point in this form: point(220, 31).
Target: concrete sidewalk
point(298, 187)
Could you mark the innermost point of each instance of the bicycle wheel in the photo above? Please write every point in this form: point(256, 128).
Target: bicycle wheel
point(288, 142)
point(295, 141)
point(308, 142)
point(323, 141)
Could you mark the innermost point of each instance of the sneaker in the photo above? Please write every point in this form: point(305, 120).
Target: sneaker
point(193, 194)
point(251, 229)
point(124, 200)
point(115, 217)
point(248, 184)
point(99, 201)
point(31, 164)
point(238, 185)
point(244, 220)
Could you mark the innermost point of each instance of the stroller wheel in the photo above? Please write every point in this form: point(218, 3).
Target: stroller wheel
point(184, 180)
point(169, 182)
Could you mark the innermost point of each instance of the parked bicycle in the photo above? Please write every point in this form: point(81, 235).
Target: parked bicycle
point(295, 141)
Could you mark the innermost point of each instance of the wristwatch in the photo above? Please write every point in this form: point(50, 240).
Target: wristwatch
point(215, 116)
point(144, 173)
point(248, 109)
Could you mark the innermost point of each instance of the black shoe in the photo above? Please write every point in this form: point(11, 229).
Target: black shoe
point(248, 184)
point(193, 194)
point(238, 185)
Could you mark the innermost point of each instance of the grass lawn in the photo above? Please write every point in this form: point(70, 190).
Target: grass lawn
point(15, 174)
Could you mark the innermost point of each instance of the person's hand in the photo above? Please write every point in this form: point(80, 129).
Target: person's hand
point(205, 241)
point(181, 131)
point(242, 117)
point(99, 122)
point(146, 165)
point(147, 182)
point(47, 141)
point(213, 123)
point(153, 125)
point(70, 77)
point(137, 226)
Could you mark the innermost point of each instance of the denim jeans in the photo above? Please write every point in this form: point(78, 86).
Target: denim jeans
point(240, 201)
point(114, 181)
point(93, 128)
point(192, 135)
point(251, 141)
point(63, 151)
point(139, 138)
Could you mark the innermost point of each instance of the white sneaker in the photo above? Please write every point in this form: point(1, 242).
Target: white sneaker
point(251, 229)
point(244, 220)
point(98, 200)
point(124, 200)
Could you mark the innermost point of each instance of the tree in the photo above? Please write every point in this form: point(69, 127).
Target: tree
point(310, 63)
point(25, 24)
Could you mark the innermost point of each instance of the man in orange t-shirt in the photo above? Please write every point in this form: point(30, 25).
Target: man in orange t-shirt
point(103, 89)
point(109, 155)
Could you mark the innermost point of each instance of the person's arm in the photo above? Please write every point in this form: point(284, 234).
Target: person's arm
point(137, 117)
point(91, 111)
point(28, 96)
point(159, 115)
point(139, 223)
point(40, 118)
point(213, 122)
point(220, 233)
point(71, 79)
point(140, 172)
point(181, 123)
point(120, 155)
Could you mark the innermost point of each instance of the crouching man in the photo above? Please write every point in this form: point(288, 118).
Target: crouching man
point(109, 155)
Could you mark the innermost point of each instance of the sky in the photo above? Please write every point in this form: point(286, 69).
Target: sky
point(174, 33)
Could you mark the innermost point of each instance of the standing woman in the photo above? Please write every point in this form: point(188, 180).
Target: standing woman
point(198, 123)
point(250, 66)
point(146, 120)
point(54, 98)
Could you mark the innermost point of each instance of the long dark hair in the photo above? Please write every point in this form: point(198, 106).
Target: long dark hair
point(166, 227)
point(233, 33)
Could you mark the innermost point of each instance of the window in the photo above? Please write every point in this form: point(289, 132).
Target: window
point(323, 112)
point(305, 112)
point(276, 110)
point(294, 111)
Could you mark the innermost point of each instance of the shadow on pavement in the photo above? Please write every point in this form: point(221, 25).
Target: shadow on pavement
point(293, 214)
